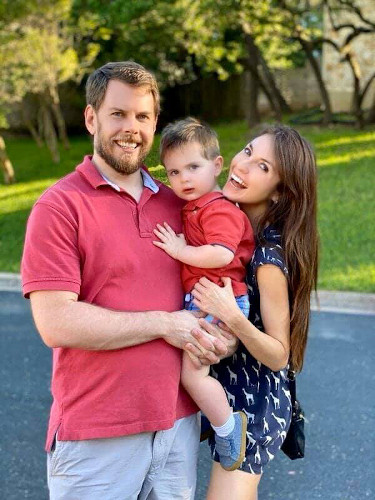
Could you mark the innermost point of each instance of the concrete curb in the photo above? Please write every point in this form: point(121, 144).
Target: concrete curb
point(344, 302)
point(10, 282)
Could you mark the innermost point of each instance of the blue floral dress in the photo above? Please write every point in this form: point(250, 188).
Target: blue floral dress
point(252, 387)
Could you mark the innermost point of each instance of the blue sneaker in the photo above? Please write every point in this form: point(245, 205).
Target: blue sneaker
point(231, 448)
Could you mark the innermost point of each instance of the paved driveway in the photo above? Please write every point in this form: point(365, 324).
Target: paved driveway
point(337, 389)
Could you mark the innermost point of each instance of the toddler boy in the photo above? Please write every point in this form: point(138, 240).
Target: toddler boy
point(217, 241)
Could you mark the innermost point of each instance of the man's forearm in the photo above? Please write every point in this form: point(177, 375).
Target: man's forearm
point(63, 321)
point(85, 326)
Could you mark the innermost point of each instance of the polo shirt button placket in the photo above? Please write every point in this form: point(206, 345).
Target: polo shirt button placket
point(143, 226)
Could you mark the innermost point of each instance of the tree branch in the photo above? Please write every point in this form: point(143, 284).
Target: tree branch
point(366, 87)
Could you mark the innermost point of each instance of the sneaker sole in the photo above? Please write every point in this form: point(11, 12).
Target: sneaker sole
point(243, 444)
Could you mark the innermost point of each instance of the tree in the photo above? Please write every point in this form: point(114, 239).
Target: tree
point(348, 22)
point(150, 31)
point(182, 39)
point(229, 37)
point(6, 164)
point(38, 55)
point(305, 26)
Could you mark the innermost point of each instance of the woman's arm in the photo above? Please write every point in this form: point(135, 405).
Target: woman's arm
point(270, 347)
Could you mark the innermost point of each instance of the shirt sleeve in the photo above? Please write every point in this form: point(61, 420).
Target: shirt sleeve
point(269, 255)
point(51, 259)
point(223, 224)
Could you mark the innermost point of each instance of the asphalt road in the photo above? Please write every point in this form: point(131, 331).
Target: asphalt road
point(336, 388)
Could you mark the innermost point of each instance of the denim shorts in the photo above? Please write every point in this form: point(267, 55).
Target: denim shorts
point(242, 302)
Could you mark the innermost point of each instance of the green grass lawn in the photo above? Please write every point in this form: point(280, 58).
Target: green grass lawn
point(346, 160)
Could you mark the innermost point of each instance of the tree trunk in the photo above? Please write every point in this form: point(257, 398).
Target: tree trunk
point(371, 116)
point(59, 118)
point(327, 114)
point(34, 133)
point(252, 85)
point(30, 126)
point(275, 91)
point(5, 164)
point(252, 64)
point(252, 92)
point(356, 100)
point(49, 132)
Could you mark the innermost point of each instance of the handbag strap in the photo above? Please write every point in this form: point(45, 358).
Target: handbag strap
point(292, 386)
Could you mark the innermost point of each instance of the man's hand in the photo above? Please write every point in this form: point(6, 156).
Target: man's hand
point(225, 344)
point(170, 242)
point(180, 332)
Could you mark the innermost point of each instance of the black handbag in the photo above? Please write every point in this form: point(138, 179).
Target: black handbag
point(294, 444)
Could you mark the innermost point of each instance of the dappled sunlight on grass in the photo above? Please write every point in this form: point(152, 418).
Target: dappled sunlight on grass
point(156, 169)
point(359, 278)
point(350, 139)
point(22, 188)
point(346, 162)
point(346, 157)
point(22, 196)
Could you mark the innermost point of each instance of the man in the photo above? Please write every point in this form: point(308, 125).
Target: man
point(107, 300)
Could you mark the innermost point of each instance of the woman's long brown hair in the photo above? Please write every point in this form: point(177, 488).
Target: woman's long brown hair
point(294, 215)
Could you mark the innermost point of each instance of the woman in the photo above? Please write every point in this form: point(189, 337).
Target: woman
point(273, 179)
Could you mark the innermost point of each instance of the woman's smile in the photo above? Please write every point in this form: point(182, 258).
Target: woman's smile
point(237, 182)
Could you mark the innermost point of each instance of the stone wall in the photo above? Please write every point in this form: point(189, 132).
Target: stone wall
point(298, 86)
point(338, 75)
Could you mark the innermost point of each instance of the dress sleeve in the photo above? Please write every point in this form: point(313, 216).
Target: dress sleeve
point(51, 259)
point(269, 255)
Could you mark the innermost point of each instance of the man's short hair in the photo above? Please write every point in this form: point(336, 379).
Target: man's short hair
point(128, 72)
point(186, 131)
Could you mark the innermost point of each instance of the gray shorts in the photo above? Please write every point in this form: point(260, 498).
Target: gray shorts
point(152, 465)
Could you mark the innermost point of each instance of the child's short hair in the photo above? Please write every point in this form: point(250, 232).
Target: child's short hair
point(186, 131)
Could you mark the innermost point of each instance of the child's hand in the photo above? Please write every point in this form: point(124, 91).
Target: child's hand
point(170, 242)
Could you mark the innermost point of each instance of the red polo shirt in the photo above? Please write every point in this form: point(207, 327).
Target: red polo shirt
point(214, 220)
point(84, 236)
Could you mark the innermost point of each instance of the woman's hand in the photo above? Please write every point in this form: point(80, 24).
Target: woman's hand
point(218, 301)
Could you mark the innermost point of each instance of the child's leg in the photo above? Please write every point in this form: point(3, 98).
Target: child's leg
point(209, 394)
point(230, 428)
point(206, 391)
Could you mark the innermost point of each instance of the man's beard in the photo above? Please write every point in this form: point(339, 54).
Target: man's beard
point(123, 165)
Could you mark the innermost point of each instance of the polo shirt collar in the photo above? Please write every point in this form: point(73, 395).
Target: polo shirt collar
point(203, 200)
point(96, 178)
point(148, 181)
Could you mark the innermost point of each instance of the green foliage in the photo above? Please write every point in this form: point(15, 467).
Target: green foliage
point(346, 202)
point(148, 31)
point(215, 33)
point(178, 39)
point(37, 49)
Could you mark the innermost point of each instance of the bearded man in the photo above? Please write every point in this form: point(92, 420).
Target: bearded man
point(108, 302)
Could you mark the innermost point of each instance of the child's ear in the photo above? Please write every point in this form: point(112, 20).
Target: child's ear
point(218, 165)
